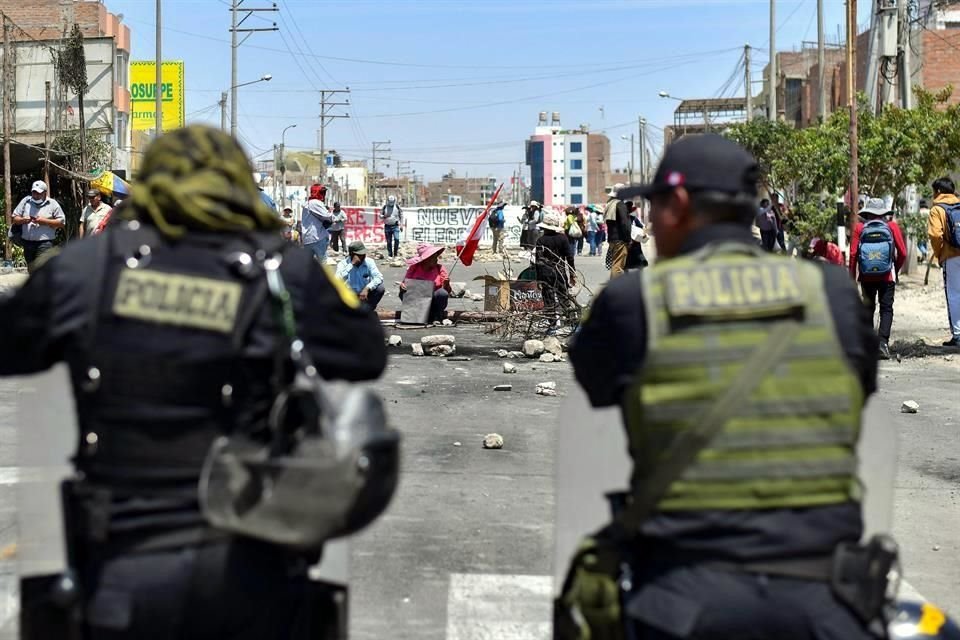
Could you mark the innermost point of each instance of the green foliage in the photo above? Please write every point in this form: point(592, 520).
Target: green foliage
point(71, 62)
point(99, 150)
point(897, 148)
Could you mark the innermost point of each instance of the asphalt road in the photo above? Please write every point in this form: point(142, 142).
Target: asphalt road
point(466, 550)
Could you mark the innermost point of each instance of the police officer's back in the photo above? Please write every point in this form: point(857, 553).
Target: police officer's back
point(171, 340)
point(769, 496)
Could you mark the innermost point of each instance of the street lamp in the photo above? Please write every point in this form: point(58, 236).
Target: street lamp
point(632, 157)
point(223, 102)
point(706, 116)
point(283, 166)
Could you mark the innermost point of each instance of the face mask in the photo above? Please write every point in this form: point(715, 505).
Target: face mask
point(37, 202)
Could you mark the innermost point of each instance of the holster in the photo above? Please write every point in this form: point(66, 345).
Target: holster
point(590, 603)
point(865, 577)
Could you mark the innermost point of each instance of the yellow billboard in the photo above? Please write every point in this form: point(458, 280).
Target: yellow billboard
point(143, 87)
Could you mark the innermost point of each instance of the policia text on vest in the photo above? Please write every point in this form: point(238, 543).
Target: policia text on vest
point(725, 289)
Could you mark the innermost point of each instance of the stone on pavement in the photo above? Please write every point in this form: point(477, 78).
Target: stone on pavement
point(910, 406)
point(509, 368)
point(493, 441)
point(395, 341)
point(503, 387)
point(436, 341)
point(442, 350)
point(533, 348)
point(547, 389)
point(458, 289)
point(548, 357)
point(502, 353)
point(476, 297)
point(553, 345)
point(447, 322)
point(417, 349)
point(515, 355)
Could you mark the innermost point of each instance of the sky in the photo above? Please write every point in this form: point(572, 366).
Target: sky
point(458, 84)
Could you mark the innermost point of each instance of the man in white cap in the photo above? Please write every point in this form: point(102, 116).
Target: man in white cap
point(392, 216)
point(617, 217)
point(39, 217)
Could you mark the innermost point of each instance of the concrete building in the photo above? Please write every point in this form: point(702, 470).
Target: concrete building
point(567, 166)
point(456, 191)
point(39, 26)
point(350, 179)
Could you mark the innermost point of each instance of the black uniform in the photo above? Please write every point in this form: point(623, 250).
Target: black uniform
point(170, 344)
point(554, 259)
point(682, 598)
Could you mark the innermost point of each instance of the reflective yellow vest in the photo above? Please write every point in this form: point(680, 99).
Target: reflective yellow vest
point(791, 441)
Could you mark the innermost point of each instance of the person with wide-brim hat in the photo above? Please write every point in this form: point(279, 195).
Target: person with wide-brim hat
point(877, 253)
point(362, 275)
point(425, 265)
point(553, 256)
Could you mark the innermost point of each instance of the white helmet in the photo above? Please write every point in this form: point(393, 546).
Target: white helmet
point(391, 199)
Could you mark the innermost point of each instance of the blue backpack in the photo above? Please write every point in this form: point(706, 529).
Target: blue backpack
point(953, 223)
point(875, 255)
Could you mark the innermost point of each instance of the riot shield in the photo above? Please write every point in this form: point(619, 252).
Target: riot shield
point(592, 460)
point(43, 425)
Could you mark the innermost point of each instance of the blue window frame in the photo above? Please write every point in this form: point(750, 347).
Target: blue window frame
point(576, 165)
point(576, 147)
point(576, 181)
point(576, 198)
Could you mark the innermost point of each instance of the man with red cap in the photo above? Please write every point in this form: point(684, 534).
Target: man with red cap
point(316, 221)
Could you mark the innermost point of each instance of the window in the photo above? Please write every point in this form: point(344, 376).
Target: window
point(576, 198)
point(576, 165)
point(576, 147)
point(576, 182)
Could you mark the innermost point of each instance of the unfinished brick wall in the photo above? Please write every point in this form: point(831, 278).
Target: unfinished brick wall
point(47, 19)
point(941, 61)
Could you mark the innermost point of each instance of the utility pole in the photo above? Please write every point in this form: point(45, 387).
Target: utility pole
point(821, 64)
point(325, 118)
point(772, 93)
point(382, 147)
point(234, 45)
point(276, 170)
point(223, 111)
point(905, 58)
point(643, 148)
point(852, 100)
point(46, 134)
point(7, 188)
point(158, 116)
point(633, 159)
point(746, 81)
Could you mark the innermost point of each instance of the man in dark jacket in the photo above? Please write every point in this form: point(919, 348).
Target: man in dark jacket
point(171, 341)
point(617, 218)
point(554, 261)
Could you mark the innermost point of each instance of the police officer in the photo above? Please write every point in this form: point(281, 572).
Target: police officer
point(170, 343)
point(739, 543)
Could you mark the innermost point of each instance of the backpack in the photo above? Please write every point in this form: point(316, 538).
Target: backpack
point(875, 254)
point(575, 231)
point(953, 223)
point(496, 219)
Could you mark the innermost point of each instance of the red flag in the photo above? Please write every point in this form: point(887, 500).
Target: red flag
point(468, 245)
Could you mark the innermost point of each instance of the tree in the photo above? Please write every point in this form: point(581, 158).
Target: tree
point(71, 66)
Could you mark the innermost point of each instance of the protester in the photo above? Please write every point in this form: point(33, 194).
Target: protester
point(766, 221)
point(779, 211)
point(316, 221)
point(290, 228)
point(426, 266)
point(573, 228)
point(532, 216)
point(617, 219)
point(392, 217)
point(826, 251)
point(362, 275)
point(38, 217)
point(877, 253)
point(338, 228)
point(553, 256)
point(943, 229)
point(923, 246)
point(497, 223)
point(638, 235)
point(593, 222)
point(93, 214)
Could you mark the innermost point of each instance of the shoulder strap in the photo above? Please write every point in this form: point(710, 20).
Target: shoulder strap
point(688, 445)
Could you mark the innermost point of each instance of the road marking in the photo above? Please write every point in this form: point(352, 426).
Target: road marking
point(499, 607)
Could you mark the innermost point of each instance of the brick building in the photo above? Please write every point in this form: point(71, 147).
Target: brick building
point(567, 166)
point(39, 25)
point(453, 189)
